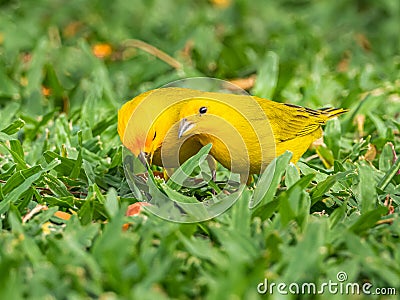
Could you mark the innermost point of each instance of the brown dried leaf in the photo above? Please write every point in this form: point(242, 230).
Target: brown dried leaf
point(38, 208)
point(371, 153)
point(244, 83)
point(363, 42)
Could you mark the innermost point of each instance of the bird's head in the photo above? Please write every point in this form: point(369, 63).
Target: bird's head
point(197, 116)
point(137, 132)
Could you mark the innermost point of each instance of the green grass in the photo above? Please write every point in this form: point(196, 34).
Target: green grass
point(62, 150)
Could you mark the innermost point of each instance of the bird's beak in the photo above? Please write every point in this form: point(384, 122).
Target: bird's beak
point(184, 126)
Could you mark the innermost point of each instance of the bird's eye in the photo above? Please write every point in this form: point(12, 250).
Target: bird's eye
point(203, 110)
point(154, 137)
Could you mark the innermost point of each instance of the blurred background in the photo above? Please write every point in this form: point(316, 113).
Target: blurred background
point(61, 54)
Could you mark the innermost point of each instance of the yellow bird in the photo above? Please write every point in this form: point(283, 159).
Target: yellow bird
point(246, 132)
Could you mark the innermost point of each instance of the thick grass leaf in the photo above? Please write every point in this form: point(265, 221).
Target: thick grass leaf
point(267, 210)
point(241, 214)
point(386, 158)
point(332, 134)
point(17, 153)
point(295, 203)
point(269, 181)
point(368, 220)
point(86, 211)
point(16, 148)
point(14, 127)
point(202, 249)
point(8, 88)
point(323, 186)
point(66, 166)
point(267, 77)
point(177, 179)
point(14, 195)
point(18, 178)
point(65, 202)
point(176, 196)
point(338, 215)
point(305, 258)
point(291, 175)
point(76, 170)
point(380, 125)
point(56, 186)
point(5, 137)
point(389, 175)
point(367, 190)
point(104, 125)
point(111, 203)
point(325, 154)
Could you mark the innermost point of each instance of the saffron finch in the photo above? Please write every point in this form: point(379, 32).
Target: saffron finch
point(246, 132)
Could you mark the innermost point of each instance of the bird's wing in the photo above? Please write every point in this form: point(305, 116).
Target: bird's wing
point(289, 121)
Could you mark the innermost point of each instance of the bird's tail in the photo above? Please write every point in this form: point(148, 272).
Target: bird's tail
point(331, 112)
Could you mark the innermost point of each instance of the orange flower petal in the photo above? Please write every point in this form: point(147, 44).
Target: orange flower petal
point(46, 91)
point(221, 3)
point(102, 50)
point(134, 209)
point(62, 215)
